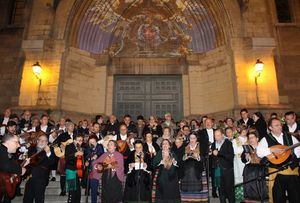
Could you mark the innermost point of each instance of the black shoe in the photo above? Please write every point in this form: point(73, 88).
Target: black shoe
point(215, 195)
point(53, 179)
point(19, 194)
point(63, 193)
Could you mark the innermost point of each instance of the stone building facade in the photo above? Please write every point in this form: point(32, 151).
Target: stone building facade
point(211, 47)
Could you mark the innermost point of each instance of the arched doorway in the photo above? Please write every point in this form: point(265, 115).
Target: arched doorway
point(146, 39)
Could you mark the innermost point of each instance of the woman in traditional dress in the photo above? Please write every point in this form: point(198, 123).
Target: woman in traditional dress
point(260, 124)
point(179, 149)
point(193, 167)
point(112, 166)
point(166, 136)
point(150, 147)
point(138, 181)
point(237, 144)
point(167, 189)
point(254, 168)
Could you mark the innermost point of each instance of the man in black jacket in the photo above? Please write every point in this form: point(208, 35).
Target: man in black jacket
point(206, 138)
point(9, 146)
point(39, 173)
point(223, 155)
point(292, 126)
point(245, 119)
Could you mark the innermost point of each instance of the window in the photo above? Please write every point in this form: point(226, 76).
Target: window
point(283, 9)
point(12, 12)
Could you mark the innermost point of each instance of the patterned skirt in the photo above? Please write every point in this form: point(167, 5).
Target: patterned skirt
point(196, 196)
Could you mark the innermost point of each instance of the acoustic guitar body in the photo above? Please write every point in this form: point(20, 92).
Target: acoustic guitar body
point(278, 158)
point(9, 183)
point(122, 145)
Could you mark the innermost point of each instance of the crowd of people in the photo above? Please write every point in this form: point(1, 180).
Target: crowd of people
point(152, 160)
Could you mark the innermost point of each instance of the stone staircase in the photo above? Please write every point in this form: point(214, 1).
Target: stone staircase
point(53, 191)
point(51, 194)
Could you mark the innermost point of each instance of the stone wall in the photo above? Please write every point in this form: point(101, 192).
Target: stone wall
point(211, 83)
point(288, 64)
point(12, 60)
point(219, 82)
point(83, 84)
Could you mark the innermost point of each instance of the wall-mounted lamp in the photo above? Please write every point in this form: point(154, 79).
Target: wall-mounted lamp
point(37, 71)
point(258, 68)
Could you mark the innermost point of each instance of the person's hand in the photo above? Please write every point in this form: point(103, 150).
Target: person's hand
point(23, 171)
point(276, 151)
point(47, 149)
point(99, 167)
point(63, 147)
point(79, 154)
point(94, 157)
point(215, 152)
point(195, 156)
point(27, 161)
point(86, 163)
point(54, 135)
point(247, 156)
point(131, 166)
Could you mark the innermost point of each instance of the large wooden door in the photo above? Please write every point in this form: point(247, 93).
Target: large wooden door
point(148, 95)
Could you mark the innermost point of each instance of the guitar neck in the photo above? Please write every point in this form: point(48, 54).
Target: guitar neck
point(293, 146)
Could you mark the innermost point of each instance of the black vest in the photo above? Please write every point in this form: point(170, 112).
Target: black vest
point(287, 141)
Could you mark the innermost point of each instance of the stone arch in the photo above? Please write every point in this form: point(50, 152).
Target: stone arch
point(220, 12)
point(222, 24)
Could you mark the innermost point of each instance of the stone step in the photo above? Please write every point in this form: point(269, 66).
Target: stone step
point(53, 188)
point(53, 199)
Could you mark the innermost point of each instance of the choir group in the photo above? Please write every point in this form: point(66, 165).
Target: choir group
point(153, 160)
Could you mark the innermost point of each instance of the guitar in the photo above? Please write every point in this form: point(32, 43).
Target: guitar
point(9, 182)
point(283, 155)
point(59, 152)
point(79, 163)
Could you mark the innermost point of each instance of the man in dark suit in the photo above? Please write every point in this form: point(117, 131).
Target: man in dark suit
point(44, 126)
point(291, 126)
point(9, 146)
point(39, 174)
point(223, 155)
point(206, 138)
point(245, 119)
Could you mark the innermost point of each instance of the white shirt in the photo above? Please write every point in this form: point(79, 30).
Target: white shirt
point(238, 149)
point(292, 128)
point(123, 137)
point(219, 144)
point(62, 128)
point(246, 120)
point(151, 148)
point(210, 133)
point(263, 149)
point(44, 128)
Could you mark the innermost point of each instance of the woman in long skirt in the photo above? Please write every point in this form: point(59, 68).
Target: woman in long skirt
point(111, 165)
point(138, 181)
point(167, 190)
point(237, 144)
